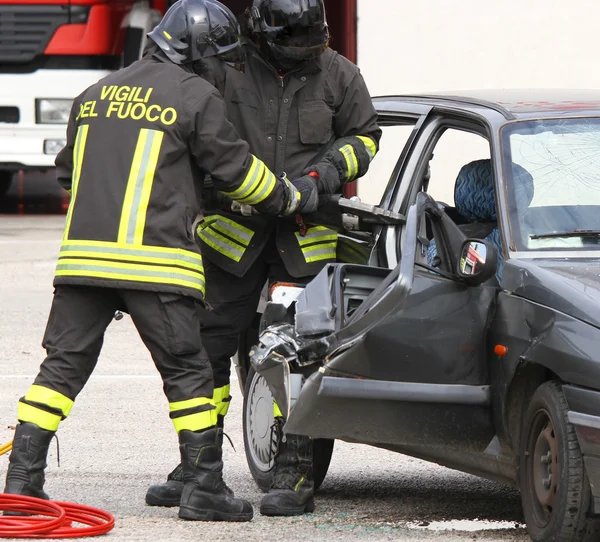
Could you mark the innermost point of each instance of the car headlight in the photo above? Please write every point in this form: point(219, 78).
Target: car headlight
point(52, 111)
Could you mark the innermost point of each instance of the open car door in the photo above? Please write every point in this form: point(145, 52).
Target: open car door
point(395, 358)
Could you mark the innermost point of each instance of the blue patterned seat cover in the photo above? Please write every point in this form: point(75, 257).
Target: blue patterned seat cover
point(475, 199)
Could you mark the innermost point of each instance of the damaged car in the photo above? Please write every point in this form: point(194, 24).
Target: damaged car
point(463, 331)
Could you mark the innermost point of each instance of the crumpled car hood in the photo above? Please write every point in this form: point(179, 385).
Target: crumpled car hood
point(571, 286)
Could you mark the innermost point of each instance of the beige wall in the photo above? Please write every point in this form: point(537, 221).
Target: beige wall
point(419, 46)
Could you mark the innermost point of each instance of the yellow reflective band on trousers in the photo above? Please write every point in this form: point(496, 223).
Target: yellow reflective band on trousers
point(78, 153)
point(46, 396)
point(197, 421)
point(276, 411)
point(319, 243)
point(30, 414)
point(351, 161)
point(139, 186)
point(155, 274)
point(257, 186)
point(222, 399)
point(369, 145)
point(225, 236)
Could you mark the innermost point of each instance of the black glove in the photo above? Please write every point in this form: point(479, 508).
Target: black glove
point(309, 200)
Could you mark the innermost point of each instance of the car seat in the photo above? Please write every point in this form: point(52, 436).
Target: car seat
point(475, 200)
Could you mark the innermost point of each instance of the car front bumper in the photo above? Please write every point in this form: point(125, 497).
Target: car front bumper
point(584, 414)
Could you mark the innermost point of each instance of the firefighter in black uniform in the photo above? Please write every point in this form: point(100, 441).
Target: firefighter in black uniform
point(306, 110)
point(138, 142)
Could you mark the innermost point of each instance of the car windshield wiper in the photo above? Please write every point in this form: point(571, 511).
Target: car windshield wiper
point(571, 233)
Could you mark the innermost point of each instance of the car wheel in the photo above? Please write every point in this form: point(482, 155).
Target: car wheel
point(555, 490)
point(259, 440)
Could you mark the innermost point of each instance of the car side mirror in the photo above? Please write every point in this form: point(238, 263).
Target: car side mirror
point(477, 261)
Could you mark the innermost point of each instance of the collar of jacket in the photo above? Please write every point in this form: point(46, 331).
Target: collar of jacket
point(253, 52)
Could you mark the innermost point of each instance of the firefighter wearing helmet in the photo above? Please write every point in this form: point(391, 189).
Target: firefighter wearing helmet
point(305, 110)
point(138, 144)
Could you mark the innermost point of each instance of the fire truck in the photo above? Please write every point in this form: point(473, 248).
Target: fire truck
point(51, 50)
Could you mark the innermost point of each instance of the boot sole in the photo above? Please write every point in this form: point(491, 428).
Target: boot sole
point(151, 500)
point(269, 510)
point(194, 514)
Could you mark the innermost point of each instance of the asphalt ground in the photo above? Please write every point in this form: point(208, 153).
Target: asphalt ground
point(119, 439)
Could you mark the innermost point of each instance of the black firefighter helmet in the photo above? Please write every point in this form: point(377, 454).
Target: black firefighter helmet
point(289, 32)
point(194, 30)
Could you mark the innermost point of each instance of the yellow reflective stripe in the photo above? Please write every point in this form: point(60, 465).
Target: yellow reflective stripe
point(41, 418)
point(190, 403)
point(267, 186)
point(219, 396)
point(316, 238)
point(131, 272)
point(196, 422)
point(351, 161)
point(252, 178)
point(144, 200)
point(319, 252)
point(276, 411)
point(257, 186)
point(164, 251)
point(139, 186)
point(119, 255)
point(221, 244)
point(369, 145)
point(78, 152)
point(46, 396)
point(228, 227)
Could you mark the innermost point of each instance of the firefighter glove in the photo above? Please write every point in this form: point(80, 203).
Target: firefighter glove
point(309, 193)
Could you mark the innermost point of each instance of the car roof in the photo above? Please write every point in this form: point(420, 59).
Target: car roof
point(510, 103)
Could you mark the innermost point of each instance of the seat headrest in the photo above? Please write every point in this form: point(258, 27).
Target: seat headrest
point(474, 195)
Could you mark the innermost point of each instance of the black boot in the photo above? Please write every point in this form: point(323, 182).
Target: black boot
point(25, 474)
point(292, 490)
point(169, 493)
point(205, 496)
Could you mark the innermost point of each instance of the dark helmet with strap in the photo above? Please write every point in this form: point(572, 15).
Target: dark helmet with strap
point(193, 30)
point(290, 31)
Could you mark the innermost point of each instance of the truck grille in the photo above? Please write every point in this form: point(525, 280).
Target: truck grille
point(26, 30)
point(9, 115)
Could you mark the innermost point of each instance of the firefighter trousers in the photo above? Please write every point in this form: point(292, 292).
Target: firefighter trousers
point(168, 325)
point(235, 301)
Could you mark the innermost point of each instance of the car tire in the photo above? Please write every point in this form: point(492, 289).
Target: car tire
point(258, 437)
point(555, 490)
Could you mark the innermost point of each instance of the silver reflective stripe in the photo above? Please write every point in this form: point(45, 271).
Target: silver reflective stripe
point(266, 187)
point(213, 240)
point(139, 186)
point(231, 229)
point(198, 279)
point(314, 235)
point(131, 252)
point(318, 251)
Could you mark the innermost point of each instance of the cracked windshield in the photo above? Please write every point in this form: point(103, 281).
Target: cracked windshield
point(554, 183)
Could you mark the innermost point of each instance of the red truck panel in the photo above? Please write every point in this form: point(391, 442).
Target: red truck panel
point(102, 35)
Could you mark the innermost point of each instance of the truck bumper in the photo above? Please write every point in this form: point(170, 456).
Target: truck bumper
point(584, 414)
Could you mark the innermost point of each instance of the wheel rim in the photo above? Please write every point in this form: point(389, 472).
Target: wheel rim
point(543, 467)
point(259, 421)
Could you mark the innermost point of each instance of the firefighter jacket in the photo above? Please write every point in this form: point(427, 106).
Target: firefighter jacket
point(138, 144)
point(319, 118)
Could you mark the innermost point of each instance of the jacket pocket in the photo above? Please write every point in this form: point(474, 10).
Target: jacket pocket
point(181, 324)
point(315, 119)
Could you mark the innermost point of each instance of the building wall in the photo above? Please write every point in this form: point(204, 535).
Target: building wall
point(407, 47)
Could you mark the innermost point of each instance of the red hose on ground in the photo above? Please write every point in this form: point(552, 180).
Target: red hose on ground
point(51, 519)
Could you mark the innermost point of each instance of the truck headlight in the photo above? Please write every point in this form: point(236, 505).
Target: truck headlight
point(52, 110)
point(54, 146)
